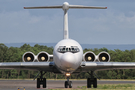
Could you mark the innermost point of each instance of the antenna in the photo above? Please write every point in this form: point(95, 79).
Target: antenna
point(65, 7)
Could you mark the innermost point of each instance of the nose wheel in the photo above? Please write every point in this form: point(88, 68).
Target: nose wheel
point(68, 83)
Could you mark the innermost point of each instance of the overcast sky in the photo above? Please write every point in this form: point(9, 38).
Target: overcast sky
point(114, 25)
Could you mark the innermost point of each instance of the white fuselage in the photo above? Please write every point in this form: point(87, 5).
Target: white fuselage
point(67, 55)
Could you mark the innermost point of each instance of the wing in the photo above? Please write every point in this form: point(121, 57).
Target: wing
point(44, 66)
point(97, 66)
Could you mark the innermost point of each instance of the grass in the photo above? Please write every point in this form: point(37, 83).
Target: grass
point(76, 79)
point(105, 87)
point(116, 86)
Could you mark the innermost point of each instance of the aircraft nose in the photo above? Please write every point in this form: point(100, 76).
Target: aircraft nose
point(67, 60)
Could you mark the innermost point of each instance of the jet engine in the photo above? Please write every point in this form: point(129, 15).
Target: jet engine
point(43, 56)
point(89, 56)
point(28, 57)
point(103, 57)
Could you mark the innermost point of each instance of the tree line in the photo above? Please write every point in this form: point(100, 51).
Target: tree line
point(14, 54)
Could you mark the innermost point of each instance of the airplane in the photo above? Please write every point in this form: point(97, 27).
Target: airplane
point(68, 57)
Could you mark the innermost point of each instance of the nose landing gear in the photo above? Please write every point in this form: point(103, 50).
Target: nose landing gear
point(68, 83)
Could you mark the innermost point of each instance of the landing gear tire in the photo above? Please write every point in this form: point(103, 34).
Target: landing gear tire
point(38, 82)
point(66, 84)
point(70, 84)
point(88, 83)
point(95, 83)
point(44, 82)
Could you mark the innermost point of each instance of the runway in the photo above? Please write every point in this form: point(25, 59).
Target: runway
point(51, 84)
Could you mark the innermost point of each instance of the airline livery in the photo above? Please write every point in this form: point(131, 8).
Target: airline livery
point(68, 57)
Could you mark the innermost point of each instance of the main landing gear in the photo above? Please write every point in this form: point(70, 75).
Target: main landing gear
point(41, 80)
point(91, 81)
point(68, 83)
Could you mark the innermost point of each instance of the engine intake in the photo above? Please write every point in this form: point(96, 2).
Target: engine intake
point(43, 57)
point(28, 57)
point(89, 56)
point(103, 57)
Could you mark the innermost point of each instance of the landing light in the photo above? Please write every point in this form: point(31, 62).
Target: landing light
point(67, 74)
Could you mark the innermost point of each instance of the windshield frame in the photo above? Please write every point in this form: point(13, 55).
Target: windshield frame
point(64, 49)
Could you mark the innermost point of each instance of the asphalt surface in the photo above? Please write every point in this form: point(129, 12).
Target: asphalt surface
point(51, 84)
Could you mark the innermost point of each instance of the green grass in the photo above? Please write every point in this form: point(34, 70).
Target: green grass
point(105, 87)
point(116, 86)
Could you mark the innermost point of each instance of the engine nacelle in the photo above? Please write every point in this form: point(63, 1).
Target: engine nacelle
point(103, 57)
point(43, 57)
point(89, 56)
point(28, 57)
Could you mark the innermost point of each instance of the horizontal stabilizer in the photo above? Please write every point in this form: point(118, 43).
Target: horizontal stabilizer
point(70, 6)
point(67, 6)
point(86, 7)
point(42, 7)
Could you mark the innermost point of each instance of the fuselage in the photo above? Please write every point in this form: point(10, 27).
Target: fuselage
point(67, 55)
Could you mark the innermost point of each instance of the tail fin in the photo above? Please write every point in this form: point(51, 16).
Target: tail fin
point(65, 7)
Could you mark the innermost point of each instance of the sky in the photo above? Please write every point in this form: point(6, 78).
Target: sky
point(114, 25)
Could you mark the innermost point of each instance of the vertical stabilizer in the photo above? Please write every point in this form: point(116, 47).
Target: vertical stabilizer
point(65, 24)
point(65, 7)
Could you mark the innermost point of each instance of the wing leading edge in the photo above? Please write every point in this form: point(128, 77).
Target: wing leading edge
point(41, 66)
point(98, 66)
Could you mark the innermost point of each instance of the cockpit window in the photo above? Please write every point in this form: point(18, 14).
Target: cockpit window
point(64, 49)
point(69, 49)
